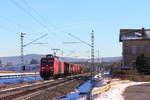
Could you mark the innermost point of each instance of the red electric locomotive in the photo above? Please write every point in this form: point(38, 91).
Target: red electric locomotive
point(52, 67)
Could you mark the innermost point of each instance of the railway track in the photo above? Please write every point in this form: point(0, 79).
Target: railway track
point(30, 91)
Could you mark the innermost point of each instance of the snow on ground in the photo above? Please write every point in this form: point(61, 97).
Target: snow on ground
point(100, 81)
point(15, 74)
point(115, 93)
point(20, 80)
point(84, 88)
point(33, 67)
point(12, 78)
point(25, 75)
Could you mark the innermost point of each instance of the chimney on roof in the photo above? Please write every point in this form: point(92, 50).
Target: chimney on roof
point(143, 31)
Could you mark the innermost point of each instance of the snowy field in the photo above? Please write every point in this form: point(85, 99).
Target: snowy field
point(18, 74)
point(115, 93)
point(34, 67)
point(85, 88)
point(12, 78)
point(20, 80)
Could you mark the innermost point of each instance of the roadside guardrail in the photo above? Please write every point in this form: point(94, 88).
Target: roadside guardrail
point(96, 92)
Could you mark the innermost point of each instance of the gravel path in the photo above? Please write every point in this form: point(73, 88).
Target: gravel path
point(137, 92)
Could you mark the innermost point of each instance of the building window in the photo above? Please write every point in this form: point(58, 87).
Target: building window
point(148, 50)
point(134, 50)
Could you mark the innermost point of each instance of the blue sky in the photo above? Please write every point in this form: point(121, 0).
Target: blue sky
point(79, 17)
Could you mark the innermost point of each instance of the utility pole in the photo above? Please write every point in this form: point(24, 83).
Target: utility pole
point(98, 56)
point(92, 49)
point(92, 53)
point(22, 50)
point(24, 45)
point(98, 60)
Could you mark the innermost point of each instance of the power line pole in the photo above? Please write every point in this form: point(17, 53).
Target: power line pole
point(92, 49)
point(24, 45)
point(92, 52)
point(98, 60)
point(98, 55)
point(22, 50)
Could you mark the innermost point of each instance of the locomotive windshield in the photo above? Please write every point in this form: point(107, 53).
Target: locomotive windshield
point(47, 61)
point(50, 61)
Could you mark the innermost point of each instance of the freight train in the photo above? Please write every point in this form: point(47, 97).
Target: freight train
point(52, 67)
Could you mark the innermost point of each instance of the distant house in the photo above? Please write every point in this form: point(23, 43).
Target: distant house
point(1, 63)
point(9, 64)
point(134, 43)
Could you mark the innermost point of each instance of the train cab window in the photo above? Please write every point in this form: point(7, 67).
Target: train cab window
point(45, 62)
point(50, 61)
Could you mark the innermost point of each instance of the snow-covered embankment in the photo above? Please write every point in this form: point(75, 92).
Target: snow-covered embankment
point(115, 92)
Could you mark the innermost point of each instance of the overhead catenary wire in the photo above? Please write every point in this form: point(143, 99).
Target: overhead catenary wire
point(35, 40)
point(11, 21)
point(42, 18)
point(70, 42)
point(35, 11)
point(80, 39)
point(28, 13)
point(92, 49)
point(24, 45)
point(16, 25)
point(6, 28)
point(41, 43)
point(36, 19)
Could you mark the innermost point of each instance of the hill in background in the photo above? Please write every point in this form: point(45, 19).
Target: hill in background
point(15, 60)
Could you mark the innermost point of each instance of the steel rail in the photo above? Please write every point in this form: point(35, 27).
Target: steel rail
point(18, 92)
point(36, 88)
